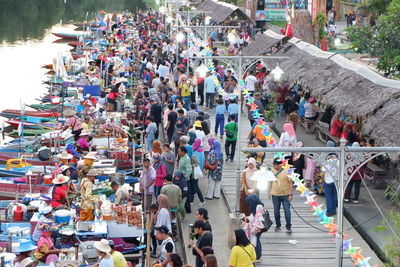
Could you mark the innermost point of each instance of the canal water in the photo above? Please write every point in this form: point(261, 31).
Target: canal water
point(26, 42)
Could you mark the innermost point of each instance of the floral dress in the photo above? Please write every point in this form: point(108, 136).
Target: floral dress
point(217, 173)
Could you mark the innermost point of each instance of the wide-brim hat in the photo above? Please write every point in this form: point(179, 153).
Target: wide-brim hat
point(92, 172)
point(60, 179)
point(65, 155)
point(25, 262)
point(69, 112)
point(25, 245)
point(64, 168)
point(102, 246)
point(84, 133)
point(90, 155)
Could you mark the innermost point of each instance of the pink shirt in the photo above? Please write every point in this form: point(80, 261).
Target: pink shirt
point(161, 173)
point(74, 122)
point(83, 143)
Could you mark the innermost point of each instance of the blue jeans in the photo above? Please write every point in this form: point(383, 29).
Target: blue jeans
point(157, 191)
point(186, 102)
point(330, 198)
point(149, 140)
point(219, 121)
point(277, 201)
point(258, 247)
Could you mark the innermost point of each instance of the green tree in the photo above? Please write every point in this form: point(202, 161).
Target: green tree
point(381, 40)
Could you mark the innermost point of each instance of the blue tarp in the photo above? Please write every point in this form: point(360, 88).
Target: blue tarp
point(93, 90)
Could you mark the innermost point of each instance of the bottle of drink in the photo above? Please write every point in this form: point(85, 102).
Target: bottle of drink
point(191, 233)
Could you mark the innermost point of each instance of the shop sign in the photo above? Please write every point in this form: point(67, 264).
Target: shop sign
point(271, 14)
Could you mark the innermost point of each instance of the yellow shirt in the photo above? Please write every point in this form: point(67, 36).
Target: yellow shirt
point(87, 194)
point(185, 89)
point(242, 256)
point(258, 133)
point(119, 259)
point(283, 186)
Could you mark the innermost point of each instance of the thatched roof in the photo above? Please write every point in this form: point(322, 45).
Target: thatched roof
point(384, 125)
point(345, 85)
point(220, 11)
point(261, 43)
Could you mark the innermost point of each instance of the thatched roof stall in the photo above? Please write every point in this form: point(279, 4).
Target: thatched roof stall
point(345, 85)
point(384, 125)
point(260, 45)
point(220, 12)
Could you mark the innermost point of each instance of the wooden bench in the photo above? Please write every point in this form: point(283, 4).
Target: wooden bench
point(376, 175)
point(307, 124)
point(324, 135)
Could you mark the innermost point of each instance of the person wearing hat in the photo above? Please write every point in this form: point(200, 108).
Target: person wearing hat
point(282, 193)
point(73, 122)
point(167, 246)
point(103, 250)
point(45, 212)
point(88, 199)
point(205, 239)
point(45, 251)
point(118, 259)
point(65, 158)
point(60, 191)
point(24, 250)
point(83, 143)
point(88, 161)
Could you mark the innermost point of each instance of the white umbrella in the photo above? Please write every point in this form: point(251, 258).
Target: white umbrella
point(263, 177)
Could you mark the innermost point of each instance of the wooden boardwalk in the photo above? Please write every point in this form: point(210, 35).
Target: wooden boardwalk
point(314, 248)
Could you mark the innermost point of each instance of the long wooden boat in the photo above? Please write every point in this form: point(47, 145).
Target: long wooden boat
point(31, 125)
point(29, 132)
point(32, 113)
point(74, 35)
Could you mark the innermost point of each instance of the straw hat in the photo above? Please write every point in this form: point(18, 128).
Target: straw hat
point(65, 155)
point(26, 262)
point(92, 172)
point(90, 155)
point(102, 246)
point(69, 113)
point(84, 133)
point(25, 245)
point(60, 179)
point(63, 168)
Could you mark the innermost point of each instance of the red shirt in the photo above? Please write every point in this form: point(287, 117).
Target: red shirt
point(60, 196)
point(336, 128)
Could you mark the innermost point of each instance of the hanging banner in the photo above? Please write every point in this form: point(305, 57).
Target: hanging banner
point(271, 14)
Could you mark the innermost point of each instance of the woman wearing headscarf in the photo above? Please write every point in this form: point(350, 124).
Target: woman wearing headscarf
point(209, 146)
point(356, 180)
point(247, 185)
point(159, 166)
point(198, 151)
point(215, 158)
point(162, 217)
point(255, 221)
point(288, 137)
point(298, 161)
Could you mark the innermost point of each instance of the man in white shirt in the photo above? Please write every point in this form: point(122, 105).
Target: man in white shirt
point(250, 82)
point(163, 70)
point(330, 176)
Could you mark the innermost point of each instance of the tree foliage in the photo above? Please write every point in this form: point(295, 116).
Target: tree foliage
point(381, 40)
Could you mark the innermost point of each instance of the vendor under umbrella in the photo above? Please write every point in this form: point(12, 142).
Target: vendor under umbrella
point(24, 250)
point(88, 199)
point(45, 251)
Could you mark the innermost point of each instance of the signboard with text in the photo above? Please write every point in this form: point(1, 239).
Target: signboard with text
point(270, 14)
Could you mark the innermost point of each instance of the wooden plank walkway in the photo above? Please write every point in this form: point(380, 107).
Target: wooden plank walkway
point(314, 248)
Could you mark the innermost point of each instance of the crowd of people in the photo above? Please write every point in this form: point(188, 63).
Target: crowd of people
point(183, 146)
